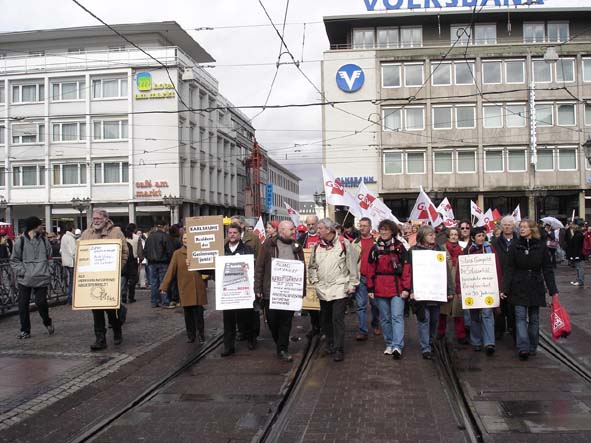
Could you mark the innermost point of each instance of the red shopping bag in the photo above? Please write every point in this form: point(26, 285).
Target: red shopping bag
point(559, 321)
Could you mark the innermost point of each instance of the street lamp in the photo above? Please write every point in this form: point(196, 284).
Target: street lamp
point(320, 200)
point(80, 204)
point(172, 203)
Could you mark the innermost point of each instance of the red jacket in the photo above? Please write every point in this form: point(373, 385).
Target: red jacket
point(382, 279)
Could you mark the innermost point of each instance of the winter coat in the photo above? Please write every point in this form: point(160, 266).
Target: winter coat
point(30, 261)
point(6, 247)
point(192, 289)
point(242, 249)
point(383, 279)
point(453, 307)
point(68, 249)
point(333, 269)
point(528, 267)
point(502, 248)
point(450, 281)
point(262, 273)
point(108, 232)
point(587, 244)
point(574, 250)
point(158, 248)
point(249, 239)
point(131, 267)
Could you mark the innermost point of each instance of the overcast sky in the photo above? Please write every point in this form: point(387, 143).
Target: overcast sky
point(231, 45)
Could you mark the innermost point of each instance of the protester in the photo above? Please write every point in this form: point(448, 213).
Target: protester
point(30, 263)
point(427, 312)
point(333, 269)
point(158, 250)
point(587, 243)
point(143, 262)
point(574, 253)
point(308, 240)
point(192, 291)
point(482, 321)
point(527, 269)
point(365, 242)
point(409, 235)
point(175, 237)
point(282, 246)
point(551, 243)
point(54, 241)
point(130, 275)
point(248, 237)
point(6, 246)
point(465, 228)
point(244, 319)
point(68, 253)
point(102, 228)
point(388, 278)
point(497, 230)
point(271, 229)
point(349, 231)
point(453, 308)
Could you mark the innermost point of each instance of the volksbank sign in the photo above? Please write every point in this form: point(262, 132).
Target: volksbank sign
point(426, 4)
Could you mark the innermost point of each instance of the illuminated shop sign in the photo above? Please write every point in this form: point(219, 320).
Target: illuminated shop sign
point(426, 4)
point(149, 90)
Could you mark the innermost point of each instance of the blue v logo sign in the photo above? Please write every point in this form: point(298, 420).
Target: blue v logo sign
point(350, 78)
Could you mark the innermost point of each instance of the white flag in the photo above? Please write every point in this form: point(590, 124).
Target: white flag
point(373, 208)
point(293, 214)
point(487, 221)
point(445, 209)
point(517, 214)
point(259, 230)
point(337, 195)
point(475, 211)
point(424, 210)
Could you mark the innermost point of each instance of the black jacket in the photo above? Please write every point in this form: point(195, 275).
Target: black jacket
point(158, 248)
point(574, 249)
point(242, 249)
point(502, 248)
point(528, 267)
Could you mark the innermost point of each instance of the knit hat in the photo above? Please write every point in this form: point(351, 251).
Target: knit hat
point(302, 228)
point(275, 224)
point(32, 223)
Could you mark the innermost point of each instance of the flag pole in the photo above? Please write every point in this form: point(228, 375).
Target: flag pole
point(346, 215)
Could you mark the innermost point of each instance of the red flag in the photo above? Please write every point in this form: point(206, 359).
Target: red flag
point(496, 215)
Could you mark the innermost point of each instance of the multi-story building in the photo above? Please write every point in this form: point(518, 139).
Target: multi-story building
point(89, 120)
point(490, 105)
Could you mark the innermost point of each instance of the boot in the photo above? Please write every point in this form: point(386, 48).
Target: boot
point(117, 336)
point(100, 343)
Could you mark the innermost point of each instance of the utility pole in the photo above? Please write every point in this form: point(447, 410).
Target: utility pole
point(533, 151)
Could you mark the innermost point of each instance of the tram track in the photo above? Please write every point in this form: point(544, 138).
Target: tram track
point(564, 357)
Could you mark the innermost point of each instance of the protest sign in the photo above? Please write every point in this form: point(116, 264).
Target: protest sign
point(478, 280)
point(97, 275)
point(310, 301)
point(205, 241)
point(287, 285)
point(429, 275)
point(234, 282)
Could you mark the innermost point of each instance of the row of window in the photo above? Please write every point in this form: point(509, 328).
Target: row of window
point(494, 72)
point(465, 161)
point(34, 133)
point(66, 90)
point(460, 35)
point(67, 174)
point(463, 116)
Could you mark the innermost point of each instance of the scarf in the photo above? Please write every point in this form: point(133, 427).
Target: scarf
point(455, 250)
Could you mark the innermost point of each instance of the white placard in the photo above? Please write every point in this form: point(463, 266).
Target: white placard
point(234, 282)
point(287, 285)
point(102, 258)
point(478, 279)
point(429, 275)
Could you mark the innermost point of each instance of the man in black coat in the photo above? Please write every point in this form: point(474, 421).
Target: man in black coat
point(158, 250)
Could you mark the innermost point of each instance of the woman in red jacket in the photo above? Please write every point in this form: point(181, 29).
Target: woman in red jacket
point(389, 280)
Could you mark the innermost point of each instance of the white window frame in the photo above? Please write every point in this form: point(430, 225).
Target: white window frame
point(119, 88)
point(481, 26)
point(493, 105)
point(535, 23)
point(387, 29)
point(451, 117)
point(384, 128)
point(2, 177)
point(552, 106)
point(412, 45)
point(80, 87)
point(439, 65)
point(102, 163)
point(38, 87)
point(102, 139)
point(502, 151)
point(2, 93)
point(472, 70)
point(424, 161)
point(458, 40)
point(523, 118)
point(40, 174)
point(40, 135)
point(516, 149)
point(506, 63)
point(557, 22)
point(401, 162)
point(443, 151)
point(61, 133)
point(587, 121)
point(473, 107)
point(533, 71)
point(560, 149)
point(584, 61)
point(557, 105)
point(406, 127)
point(500, 62)
point(475, 154)
point(399, 75)
point(422, 65)
point(3, 135)
point(557, 70)
point(552, 151)
point(61, 172)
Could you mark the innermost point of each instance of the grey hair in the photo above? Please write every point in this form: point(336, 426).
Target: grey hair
point(240, 219)
point(312, 216)
point(508, 219)
point(329, 224)
point(103, 212)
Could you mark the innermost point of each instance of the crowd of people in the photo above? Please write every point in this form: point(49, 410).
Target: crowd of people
point(371, 267)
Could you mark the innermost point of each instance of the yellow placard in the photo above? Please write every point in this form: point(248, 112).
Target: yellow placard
point(97, 275)
point(311, 302)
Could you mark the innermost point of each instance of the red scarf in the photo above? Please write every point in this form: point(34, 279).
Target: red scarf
point(455, 250)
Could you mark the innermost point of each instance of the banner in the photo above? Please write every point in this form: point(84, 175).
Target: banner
point(517, 214)
point(424, 210)
point(337, 195)
point(293, 214)
point(97, 275)
point(205, 241)
point(478, 279)
point(429, 275)
point(259, 230)
point(311, 301)
point(287, 285)
point(234, 282)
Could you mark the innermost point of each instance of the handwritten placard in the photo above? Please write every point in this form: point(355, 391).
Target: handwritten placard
point(287, 285)
point(205, 237)
point(478, 280)
point(429, 275)
point(311, 301)
point(234, 282)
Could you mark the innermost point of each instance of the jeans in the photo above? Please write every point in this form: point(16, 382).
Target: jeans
point(361, 305)
point(482, 329)
point(24, 300)
point(467, 318)
point(70, 276)
point(527, 332)
point(392, 320)
point(580, 267)
point(157, 273)
point(428, 327)
point(280, 326)
point(333, 322)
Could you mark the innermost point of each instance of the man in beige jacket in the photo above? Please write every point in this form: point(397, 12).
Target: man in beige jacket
point(333, 270)
point(102, 228)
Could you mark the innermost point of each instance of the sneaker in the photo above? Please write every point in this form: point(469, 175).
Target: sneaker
point(576, 283)
point(171, 305)
point(396, 354)
point(427, 355)
point(388, 350)
point(50, 329)
point(23, 335)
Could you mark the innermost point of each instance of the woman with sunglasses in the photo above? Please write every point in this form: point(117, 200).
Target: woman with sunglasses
point(465, 228)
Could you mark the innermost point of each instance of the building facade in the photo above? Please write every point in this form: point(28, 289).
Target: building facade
point(491, 106)
point(84, 115)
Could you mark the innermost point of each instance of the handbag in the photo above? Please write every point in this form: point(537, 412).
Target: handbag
point(559, 321)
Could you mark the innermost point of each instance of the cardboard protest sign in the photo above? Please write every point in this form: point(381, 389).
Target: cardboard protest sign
point(234, 282)
point(205, 241)
point(429, 275)
point(287, 285)
point(311, 302)
point(97, 275)
point(478, 280)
